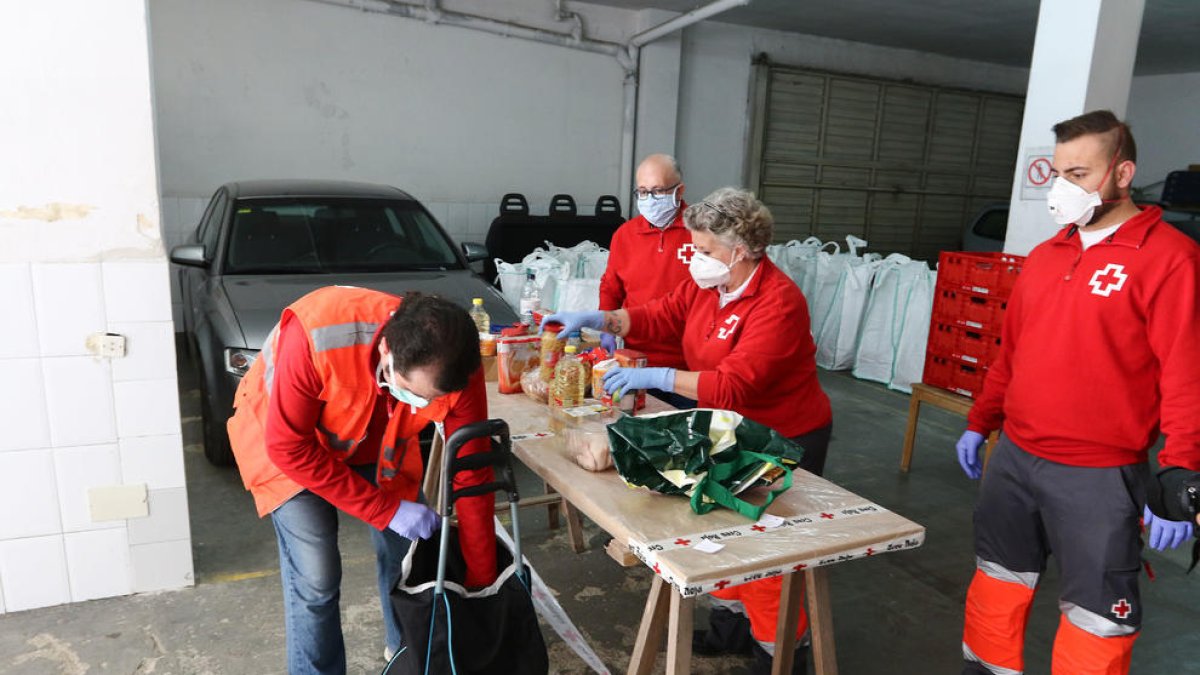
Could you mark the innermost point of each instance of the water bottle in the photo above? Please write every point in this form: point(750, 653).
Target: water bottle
point(531, 298)
point(483, 322)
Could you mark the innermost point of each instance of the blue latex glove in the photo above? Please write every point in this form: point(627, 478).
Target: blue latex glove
point(608, 342)
point(968, 453)
point(573, 321)
point(414, 521)
point(632, 379)
point(1164, 533)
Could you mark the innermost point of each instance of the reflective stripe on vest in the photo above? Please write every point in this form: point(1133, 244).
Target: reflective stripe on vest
point(337, 336)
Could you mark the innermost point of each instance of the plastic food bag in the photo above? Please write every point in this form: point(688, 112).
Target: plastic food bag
point(707, 455)
point(514, 356)
point(588, 445)
point(534, 386)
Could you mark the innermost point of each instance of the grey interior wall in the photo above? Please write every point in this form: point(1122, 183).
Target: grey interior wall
point(1162, 113)
point(283, 88)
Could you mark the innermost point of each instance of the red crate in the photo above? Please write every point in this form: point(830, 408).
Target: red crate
point(969, 310)
point(951, 375)
point(985, 273)
point(974, 347)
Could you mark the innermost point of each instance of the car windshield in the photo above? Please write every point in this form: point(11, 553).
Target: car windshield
point(296, 235)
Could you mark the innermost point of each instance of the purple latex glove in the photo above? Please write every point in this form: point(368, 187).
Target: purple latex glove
point(632, 379)
point(1165, 533)
point(608, 342)
point(414, 521)
point(968, 453)
point(573, 321)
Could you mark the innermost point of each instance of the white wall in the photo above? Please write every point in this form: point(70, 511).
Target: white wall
point(1163, 114)
point(82, 253)
point(715, 83)
point(283, 88)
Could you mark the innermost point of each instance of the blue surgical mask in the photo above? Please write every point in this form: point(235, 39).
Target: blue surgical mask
point(399, 393)
point(660, 211)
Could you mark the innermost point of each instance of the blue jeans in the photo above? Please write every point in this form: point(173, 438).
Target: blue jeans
point(310, 566)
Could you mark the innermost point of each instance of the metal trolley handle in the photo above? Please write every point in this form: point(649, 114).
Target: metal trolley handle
point(499, 457)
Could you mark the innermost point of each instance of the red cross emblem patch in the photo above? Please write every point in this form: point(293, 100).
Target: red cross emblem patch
point(1108, 280)
point(1122, 609)
point(730, 326)
point(685, 253)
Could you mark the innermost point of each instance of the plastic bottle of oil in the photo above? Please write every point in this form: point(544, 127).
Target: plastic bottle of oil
point(569, 380)
point(483, 322)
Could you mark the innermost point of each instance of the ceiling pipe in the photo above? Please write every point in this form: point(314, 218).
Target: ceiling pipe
point(627, 55)
point(684, 20)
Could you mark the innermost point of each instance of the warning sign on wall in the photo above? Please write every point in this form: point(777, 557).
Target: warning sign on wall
point(1037, 173)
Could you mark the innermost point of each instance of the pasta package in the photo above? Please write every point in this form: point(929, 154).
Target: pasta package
point(515, 356)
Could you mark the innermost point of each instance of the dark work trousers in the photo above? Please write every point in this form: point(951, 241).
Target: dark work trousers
point(1088, 517)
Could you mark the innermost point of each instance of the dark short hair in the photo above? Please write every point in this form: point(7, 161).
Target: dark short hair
point(1100, 122)
point(428, 330)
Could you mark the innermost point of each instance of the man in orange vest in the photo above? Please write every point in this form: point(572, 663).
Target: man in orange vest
point(328, 418)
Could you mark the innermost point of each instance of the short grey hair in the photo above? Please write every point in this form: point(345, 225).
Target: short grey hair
point(734, 216)
point(669, 160)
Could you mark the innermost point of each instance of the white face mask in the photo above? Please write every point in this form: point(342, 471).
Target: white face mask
point(659, 211)
point(399, 393)
point(1070, 204)
point(708, 272)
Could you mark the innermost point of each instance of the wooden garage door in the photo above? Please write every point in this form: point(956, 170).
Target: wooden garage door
point(902, 165)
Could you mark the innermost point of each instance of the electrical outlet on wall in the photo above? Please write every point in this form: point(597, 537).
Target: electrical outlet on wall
point(106, 345)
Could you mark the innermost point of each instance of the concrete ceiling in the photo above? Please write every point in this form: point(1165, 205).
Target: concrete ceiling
point(997, 31)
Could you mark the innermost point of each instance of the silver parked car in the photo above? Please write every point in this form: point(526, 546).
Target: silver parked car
point(262, 244)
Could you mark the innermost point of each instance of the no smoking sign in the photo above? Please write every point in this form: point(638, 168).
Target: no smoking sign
point(1035, 179)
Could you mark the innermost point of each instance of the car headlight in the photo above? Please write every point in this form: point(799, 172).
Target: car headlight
point(238, 361)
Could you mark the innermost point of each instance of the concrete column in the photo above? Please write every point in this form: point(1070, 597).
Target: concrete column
point(1083, 59)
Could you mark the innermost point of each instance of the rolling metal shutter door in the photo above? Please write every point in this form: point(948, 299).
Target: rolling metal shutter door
point(902, 165)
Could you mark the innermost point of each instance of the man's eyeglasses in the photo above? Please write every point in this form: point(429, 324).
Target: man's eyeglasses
point(657, 193)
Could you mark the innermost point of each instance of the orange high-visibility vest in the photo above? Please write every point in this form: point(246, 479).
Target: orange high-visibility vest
point(342, 324)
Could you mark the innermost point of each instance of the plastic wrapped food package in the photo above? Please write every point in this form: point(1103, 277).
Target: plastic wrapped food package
point(515, 356)
point(587, 444)
point(534, 386)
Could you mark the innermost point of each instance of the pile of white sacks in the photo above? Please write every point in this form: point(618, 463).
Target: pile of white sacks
point(869, 314)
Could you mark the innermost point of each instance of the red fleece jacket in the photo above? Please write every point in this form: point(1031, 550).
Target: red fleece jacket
point(756, 356)
point(644, 264)
point(1101, 349)
point(295, 409)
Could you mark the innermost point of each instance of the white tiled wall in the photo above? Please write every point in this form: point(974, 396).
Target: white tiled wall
point(81, 422)
point(72, 421)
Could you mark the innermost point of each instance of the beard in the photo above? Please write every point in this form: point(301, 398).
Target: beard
point(1111, 198)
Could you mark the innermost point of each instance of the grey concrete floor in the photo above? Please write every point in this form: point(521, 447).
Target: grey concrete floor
point(893, 614)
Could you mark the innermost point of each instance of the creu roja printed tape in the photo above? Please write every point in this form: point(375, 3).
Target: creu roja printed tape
point(649, 553)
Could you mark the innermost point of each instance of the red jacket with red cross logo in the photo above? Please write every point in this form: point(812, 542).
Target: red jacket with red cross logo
point(1100, 350)
point(644, 264)
point(755, 356)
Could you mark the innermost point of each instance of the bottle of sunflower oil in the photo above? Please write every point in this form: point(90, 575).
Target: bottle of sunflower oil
point(569, 380)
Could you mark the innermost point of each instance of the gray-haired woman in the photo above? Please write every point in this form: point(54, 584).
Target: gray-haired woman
point(744, 327)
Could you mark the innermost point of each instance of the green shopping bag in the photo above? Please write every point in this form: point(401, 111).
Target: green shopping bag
point(710, 456)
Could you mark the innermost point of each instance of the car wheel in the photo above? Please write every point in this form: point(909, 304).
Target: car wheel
point(216, 438)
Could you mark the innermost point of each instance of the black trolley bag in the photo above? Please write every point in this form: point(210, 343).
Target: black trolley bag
point(493, 630)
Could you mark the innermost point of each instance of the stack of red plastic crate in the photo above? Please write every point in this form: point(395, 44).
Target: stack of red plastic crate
point(968, 311)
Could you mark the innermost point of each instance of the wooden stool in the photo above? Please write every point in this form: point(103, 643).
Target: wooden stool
point(946, 400)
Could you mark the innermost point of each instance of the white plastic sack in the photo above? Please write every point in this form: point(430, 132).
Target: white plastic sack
point(883, 321)
point(824, 272)
point(837, 337)
point(511, 278)
point(548, 270)
point(585, 260)
point(917, 308)
point(577, 295)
